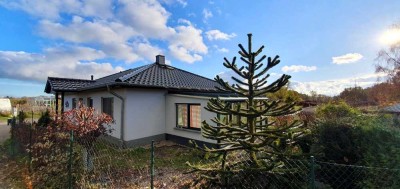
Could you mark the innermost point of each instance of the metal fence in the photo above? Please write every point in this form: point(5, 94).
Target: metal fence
point(56, 159)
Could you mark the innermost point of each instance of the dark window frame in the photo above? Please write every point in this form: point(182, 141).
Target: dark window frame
point(111, 106)
point(73, 103)
point(89, 102)
point(187, 116)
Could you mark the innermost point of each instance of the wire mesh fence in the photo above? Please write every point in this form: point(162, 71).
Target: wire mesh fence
point(57, 158)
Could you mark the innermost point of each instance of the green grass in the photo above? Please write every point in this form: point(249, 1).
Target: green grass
point(4, 119)
point(174, 157)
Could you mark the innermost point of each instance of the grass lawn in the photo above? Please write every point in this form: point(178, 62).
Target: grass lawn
point(131, 167)
point(36, 116)
point(169, 154)
point(4, 119)
point(121, 168)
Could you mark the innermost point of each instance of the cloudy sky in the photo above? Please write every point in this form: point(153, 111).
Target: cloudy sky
point(325, 45)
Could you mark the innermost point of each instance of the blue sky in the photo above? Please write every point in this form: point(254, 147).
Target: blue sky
point(325, 45)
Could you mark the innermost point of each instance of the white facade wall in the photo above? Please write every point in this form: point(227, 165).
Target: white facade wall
point(170, 112)
point(144, 113)
point(148, 112)
point(96, 96)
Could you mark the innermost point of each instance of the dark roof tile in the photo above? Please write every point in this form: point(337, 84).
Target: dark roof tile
point(66, 84)
point(152, 75)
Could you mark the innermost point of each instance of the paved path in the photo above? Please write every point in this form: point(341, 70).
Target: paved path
point(4, 132)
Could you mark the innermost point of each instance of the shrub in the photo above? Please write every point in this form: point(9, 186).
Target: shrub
point(336, 111)
point(50, 159)
point(345, 136)
point(21, 116)
point(45, 119)
point(5, 114)
point(51, 155)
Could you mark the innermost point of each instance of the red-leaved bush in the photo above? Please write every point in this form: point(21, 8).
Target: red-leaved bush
point(51, 146)
point(86, 123)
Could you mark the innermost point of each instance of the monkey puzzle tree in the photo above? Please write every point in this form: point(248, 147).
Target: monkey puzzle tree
point(257, 132)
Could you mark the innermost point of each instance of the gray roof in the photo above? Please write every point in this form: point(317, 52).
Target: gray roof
point(65, 84)
point(392, 109)
point(149, 76)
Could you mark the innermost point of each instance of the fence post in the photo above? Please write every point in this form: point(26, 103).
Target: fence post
point(71, 140)
point(30, 143)
point(312, 173)
point(13, 125)
point(152, 165)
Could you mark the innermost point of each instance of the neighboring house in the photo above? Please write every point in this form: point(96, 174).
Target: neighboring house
point(151, 102)
point(47, 101)
point(394, 109)
point(5, 105)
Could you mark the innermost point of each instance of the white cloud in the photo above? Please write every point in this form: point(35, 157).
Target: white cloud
point(347, 58)
point(52, 10)
point(334, 87)
point(183, 54)
point(148, 51)
point(96, 8)
point(127, 30)
point(298, 68)
point(184, 21)
point(70, 54)
point(207, 14)
point(187, 44)
point(227, 76)
point(218, 35)
point(182, 2)
point(57, 62)
point(149, 18)
point(111, 37)
point(221, 50)
point(171, 2)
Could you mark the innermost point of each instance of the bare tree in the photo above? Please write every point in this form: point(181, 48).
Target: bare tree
point(388, 60)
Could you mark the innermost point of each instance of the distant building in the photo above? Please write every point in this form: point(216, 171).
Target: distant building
point(47, 101)
point(5, 105)
point(394, 110)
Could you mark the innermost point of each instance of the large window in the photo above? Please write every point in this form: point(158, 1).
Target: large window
point(188, 116)
point(107, 106)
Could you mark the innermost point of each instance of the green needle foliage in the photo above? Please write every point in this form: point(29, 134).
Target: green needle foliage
point(264, 130)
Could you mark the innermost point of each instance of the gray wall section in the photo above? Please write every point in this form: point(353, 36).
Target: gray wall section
point(186, 141)
point(133, 143)
point(144, 141)
point(147, 140)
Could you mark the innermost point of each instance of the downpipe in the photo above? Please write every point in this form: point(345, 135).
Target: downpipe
point(122, 114)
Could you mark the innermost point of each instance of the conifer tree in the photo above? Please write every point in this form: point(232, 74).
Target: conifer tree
point(256, 132)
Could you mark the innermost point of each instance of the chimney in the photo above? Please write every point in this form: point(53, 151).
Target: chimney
point(91, 77)
point(160, 59)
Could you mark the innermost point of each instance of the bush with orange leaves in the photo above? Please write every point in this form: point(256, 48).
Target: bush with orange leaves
point(51, 149)
point(86, 123)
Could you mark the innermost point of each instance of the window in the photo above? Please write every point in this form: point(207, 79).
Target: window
point(107, 106)
point(89, 102)
point(80, 102)
point(188, 116)
point(73, 103)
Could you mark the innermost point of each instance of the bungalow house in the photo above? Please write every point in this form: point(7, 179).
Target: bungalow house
point(151, 102)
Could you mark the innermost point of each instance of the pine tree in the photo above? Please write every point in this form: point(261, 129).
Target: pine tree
point(256, 132)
